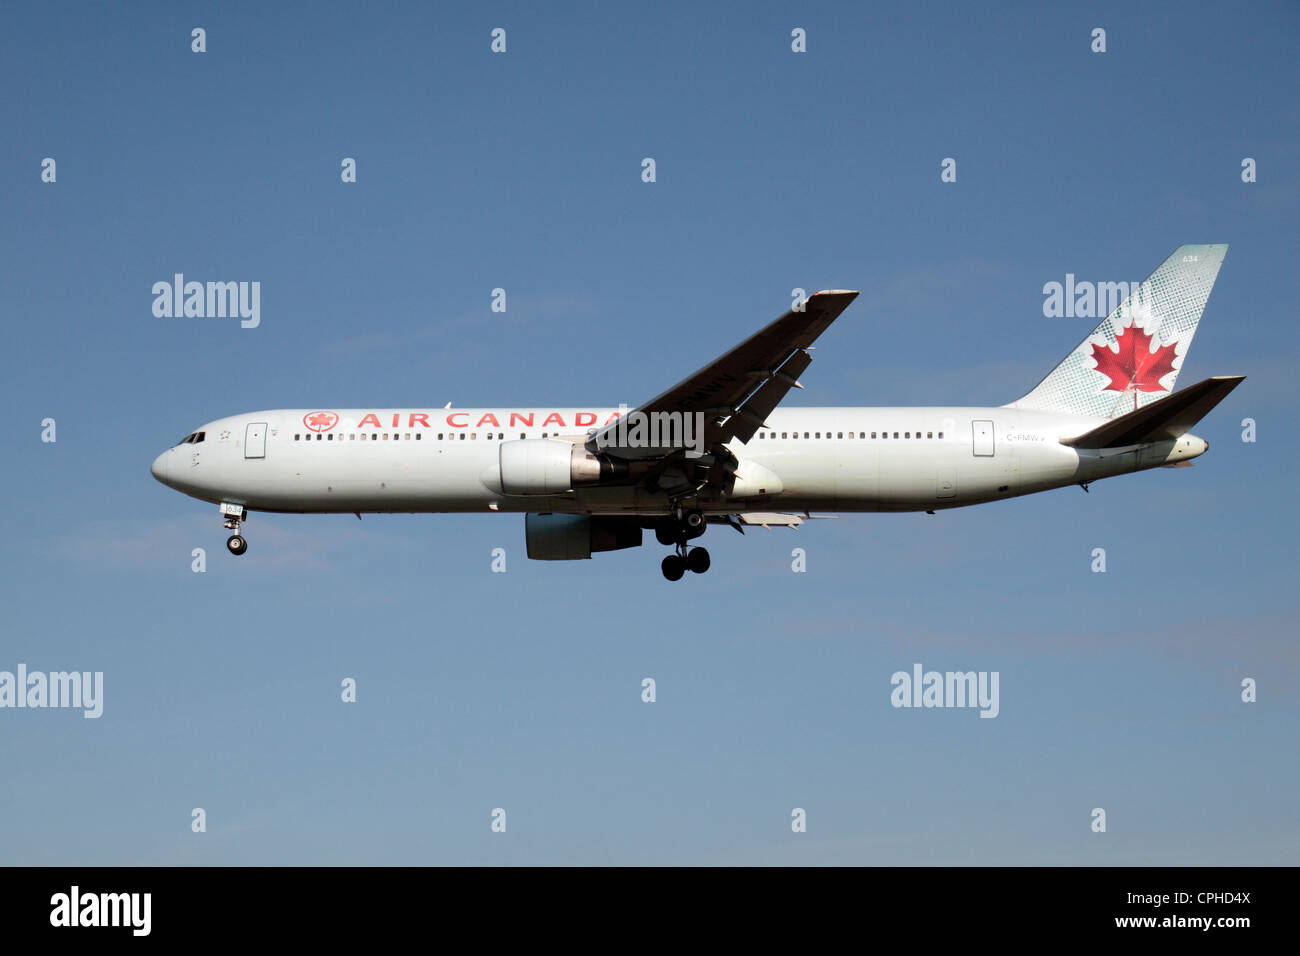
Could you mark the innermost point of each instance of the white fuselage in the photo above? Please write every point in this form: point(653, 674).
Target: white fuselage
point(826, 459)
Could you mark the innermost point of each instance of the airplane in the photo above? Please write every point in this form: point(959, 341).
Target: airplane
point(715, 449)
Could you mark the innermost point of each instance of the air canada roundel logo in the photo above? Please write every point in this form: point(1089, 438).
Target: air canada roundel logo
point(320, 421)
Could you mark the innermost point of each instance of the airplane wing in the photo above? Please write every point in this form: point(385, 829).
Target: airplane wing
point(737, 391)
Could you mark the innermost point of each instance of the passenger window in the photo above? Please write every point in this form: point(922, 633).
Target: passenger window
point(907, 434)
point(419, 435)
point(873, 434)
point(940, 434)
point(296, 437)
point(895, 434)
point(785, 434)
point(841, 434)
point(929, 434)
point(330, 437)
point(805, 434)
point(462, 436)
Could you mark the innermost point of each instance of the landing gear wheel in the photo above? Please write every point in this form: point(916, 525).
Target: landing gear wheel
point(698, 560)
point(238, 545)
point(673, 567)
point(694, 522)
point(666, 533)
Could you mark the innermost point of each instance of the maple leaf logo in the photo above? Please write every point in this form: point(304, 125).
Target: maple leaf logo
point(320, 421)
point(1134, 368)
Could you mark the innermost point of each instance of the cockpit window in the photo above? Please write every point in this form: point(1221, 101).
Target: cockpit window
point(193, 438)
point(198, 437)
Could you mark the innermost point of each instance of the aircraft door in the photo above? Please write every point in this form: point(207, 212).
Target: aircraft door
point(255, 440)
point(982, 439)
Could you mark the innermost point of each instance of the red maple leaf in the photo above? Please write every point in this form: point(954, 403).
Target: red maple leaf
point(321, 419)
point(1134, 368)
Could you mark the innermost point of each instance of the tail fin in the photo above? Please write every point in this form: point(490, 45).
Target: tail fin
point(1134, 356)
point(1166, 418)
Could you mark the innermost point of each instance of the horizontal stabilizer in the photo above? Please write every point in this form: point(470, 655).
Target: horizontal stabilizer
point(1165, 419)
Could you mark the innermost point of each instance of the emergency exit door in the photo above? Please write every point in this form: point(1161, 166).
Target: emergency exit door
point(255, 440)
point(982, 439)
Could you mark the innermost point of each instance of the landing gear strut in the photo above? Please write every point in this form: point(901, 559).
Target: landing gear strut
point(234, 518)
point(682, 527)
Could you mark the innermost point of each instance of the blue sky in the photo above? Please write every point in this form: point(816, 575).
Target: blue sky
point(521, 690)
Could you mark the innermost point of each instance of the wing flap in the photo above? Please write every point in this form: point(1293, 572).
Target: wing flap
point(752, 413)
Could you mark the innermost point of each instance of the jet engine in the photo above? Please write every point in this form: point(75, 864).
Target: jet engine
point(543, 466)
point(556, 537)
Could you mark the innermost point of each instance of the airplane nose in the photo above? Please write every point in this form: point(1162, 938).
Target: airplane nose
point(159, 468)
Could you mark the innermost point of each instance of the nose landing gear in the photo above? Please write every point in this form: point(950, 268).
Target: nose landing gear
point(682, 527)
point(234, 514)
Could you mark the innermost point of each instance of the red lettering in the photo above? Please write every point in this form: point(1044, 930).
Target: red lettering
point(396, 420)
point(421, 417)
point(489, 417)
point(457, 424)
point(370, 419)
point(559, 419)
point(579, 423)
point(612, 418)
point(522, 419)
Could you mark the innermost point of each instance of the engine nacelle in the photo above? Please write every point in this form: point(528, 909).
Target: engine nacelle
point(573, 537)
point(542, 466)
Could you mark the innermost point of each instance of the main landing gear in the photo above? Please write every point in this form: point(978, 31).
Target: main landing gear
point(236, 543)
point(682, 527)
